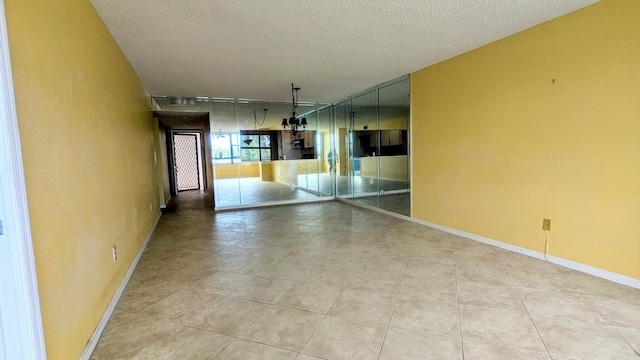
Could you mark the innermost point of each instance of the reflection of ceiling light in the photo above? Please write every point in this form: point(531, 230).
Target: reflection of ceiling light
point(219, 134)
point(296, 124)
point(247, 141)
point(175, 100)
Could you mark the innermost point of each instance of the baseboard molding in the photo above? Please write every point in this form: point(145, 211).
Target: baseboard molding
point(604, 274)
point(91, 345)
point(587, 269)
point(273, 203)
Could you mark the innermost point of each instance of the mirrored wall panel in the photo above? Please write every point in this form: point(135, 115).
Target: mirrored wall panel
point(372, 137)
point(257, 152)
point(258, 161)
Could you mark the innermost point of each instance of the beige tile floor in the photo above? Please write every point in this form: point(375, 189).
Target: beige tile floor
point(334, 281)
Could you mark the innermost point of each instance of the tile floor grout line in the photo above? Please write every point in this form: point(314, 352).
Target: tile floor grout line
point(325, 316)
point(196, 237)
point(455, 281)
point(529, 315)
point(395, 304)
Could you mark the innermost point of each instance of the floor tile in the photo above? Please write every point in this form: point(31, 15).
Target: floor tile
point(250, 265)
point(580, 340)
point(310, 296)
point(426, 253)
point(138, 297)
point(333, 258)
point(187, 344)
point(182, 306)
point(408, 345)
point(289, 270)
point(119, 317)
point(512, 260)
point(307, 357)
point(502, 297)
point(229, 316)
point(219, 283)
point(499, 327)
point(247, 350)
point(594, 286)
point(432, 269)
point(263, 289)
point(381, 282)
point(330, 275)
point(383, 263)
point(435, 289)
point(478, 351)
point(364, 306)
point(559, 305)
point(632, 337)
point(617, 312)
point(539, 280)
point(482, 272)
point(342, 339)
point(283, 328)
point(127, 340)
point(426, 316)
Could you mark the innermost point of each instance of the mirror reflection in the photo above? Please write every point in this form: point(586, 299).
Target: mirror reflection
point(356, 149)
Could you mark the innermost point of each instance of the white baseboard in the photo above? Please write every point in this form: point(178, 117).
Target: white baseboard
point(274, 203)
point(91, 345)
point(604, 274)
point(587, 269)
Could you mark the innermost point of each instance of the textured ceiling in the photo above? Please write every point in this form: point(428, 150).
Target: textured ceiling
point(331, 49)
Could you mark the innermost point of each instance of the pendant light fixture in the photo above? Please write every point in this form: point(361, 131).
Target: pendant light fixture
point(295, 124)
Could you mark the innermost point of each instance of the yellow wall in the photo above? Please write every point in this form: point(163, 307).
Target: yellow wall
point(226, 171)
point(391, 167)
point(498, 145)
point(88, 143)
point(307, 166)
point(286, 172)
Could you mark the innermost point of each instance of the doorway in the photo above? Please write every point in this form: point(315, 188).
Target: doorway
point(188, 161)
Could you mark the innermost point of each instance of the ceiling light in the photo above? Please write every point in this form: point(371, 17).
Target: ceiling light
point(297, 125)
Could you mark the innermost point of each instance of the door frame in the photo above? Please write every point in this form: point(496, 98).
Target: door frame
point(21, 334)
point(201, 158)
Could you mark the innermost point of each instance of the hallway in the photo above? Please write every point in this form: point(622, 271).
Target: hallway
point(333, 281)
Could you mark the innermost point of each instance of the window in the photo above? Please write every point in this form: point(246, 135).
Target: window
point(234, 148)
point(256, 148)
point(225, 148)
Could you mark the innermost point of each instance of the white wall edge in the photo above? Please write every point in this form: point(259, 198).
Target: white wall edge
point(95, 337)
point(587, 269)
point(25, 322)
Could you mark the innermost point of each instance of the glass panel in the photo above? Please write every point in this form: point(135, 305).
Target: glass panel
point(265, 141)
point(265, 154)
point(365, 160)
point(342, 147)
point(250, 141)
point(225, 153)
point(394, 146)
point(325, 149)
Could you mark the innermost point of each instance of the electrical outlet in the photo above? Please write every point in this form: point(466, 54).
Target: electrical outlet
point(115, 253)
point(151, 207)
point(546, 224)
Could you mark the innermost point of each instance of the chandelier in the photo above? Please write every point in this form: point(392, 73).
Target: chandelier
point(297, 125)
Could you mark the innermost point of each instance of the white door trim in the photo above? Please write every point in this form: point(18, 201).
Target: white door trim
point(20, 318)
